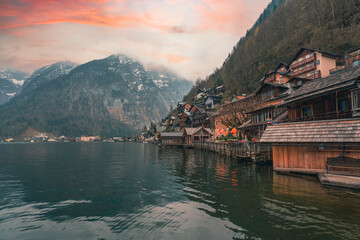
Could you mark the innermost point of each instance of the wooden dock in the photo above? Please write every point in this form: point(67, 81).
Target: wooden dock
point(252, 152)
point(339, 180)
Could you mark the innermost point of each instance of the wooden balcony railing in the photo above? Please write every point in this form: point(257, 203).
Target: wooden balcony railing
point(300, 63)
point(338, 68)
point(324, 116)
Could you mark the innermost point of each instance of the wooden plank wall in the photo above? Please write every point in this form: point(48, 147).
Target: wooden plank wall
point(306, 157)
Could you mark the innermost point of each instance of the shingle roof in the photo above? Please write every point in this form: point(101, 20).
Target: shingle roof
point(192, 131)
point(328, 84)
point(332, 131)
point(312, 50)
point(171, 134)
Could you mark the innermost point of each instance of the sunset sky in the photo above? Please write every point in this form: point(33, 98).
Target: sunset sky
point(191, 37)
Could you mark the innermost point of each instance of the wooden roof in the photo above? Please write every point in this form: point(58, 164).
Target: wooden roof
point(169, 135)
point(193, 131)
point(301, 50)
point(332, 131)
point(322, 86)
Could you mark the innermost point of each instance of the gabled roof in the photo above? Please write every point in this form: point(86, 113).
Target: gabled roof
point(353, 49)
point(272, 85)
point(322, 86)
point(326, 54)
point(280, 65)
point(270, 104)
point(193, 131)
point(331, 131)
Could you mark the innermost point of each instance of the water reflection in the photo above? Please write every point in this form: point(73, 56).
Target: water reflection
point(138, 191)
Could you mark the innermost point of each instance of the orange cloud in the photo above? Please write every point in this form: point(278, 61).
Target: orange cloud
point(94, 12)
point(174, 58)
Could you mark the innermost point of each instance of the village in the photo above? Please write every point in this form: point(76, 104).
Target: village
point(304, 118)
point(43, 137)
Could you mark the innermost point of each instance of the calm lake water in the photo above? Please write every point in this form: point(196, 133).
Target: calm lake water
point(138, 191)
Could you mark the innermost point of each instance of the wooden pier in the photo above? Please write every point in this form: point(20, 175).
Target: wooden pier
point(249, 151)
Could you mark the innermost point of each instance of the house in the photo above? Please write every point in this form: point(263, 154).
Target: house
point(197, 134)
point(185, 119)
point(9, 140)
point(171, 138)
point(324, 124)
point(278, 76)
point(183, 106)
point(334, 97)
point(352, 58)
point(266, 110)
point(312, 64)
point(212, 101)
point(219, 90)
point(89, 138)
point(306, 146)
point(198, 116)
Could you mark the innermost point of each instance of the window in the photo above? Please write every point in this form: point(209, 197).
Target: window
point(306, 112)
point(312, 73)
point(270, 93)
point(299, 83)
point(270, 114)
point(355, 99)
point(264, 95)
point(317, 62)
point(342, 105)
point(311, 64)
point(259, 117)
point(254, 118)
point(356, 63)
point(311, 54)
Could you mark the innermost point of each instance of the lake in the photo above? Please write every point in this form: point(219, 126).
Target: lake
point(139, 191)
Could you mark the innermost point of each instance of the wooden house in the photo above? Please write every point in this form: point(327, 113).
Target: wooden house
point(183, 106)
point(212, 101)
point(171, 138)
point(197, 134)
point(306, 147)
point(312, 64)
point(334, 97)
point(185, 119)
point(352, 58)
point(279, 75)
point(198, 116)
point(325, 124)
point(266, 110)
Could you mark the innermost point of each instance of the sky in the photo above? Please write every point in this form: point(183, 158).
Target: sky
point(190, 37)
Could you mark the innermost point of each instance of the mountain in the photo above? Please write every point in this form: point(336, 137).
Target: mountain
point(11, 82)
point(284, 27)
point(109, 97)
point(48, 73)
point(172, 87)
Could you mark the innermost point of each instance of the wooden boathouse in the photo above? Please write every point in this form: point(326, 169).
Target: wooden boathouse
point(168, 139)
point(312, 147)
point(324, 133)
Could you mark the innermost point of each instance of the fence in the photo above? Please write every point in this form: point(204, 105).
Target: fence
point(246, 150)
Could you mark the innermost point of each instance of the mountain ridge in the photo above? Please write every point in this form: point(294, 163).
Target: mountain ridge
point(111, 96)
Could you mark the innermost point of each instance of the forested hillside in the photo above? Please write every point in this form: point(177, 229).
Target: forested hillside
point(283, 28)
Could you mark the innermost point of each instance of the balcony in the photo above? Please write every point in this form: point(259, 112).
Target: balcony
point(298, 72)
point(298, 64)
point(338, 68)
point(325, 116)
